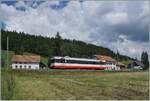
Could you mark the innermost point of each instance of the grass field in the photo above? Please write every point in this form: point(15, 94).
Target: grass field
point(79, 85)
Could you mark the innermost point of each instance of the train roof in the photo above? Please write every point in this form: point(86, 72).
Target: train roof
point(72, 58)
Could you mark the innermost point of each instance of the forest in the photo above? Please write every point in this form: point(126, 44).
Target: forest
point(21, 42)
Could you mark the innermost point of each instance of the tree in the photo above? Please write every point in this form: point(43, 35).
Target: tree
point(57, 46)
point(42, 65)
point(21, 49)
point(144, 60)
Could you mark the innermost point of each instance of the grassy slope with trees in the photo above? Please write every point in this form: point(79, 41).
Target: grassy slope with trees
point(47, 47)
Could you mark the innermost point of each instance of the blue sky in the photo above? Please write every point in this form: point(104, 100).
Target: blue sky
point(121, 25)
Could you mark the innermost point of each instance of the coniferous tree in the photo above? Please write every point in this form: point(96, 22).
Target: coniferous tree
point(144, 60)
point(58, 44)
point(147, 60)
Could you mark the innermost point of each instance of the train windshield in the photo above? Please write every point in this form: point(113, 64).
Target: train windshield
point(57, 60)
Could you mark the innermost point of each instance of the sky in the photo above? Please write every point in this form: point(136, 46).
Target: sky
point(118, 25)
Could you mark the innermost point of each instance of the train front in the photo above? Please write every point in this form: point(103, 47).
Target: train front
point(56, 62)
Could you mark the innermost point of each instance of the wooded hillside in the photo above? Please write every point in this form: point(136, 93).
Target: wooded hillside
point(44, 46)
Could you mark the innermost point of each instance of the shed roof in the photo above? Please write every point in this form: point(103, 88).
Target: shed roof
point(26, 58)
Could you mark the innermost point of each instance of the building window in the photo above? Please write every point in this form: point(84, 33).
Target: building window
point(21, 66)
point(29, 67)
point(25, 66)
point(16, 66)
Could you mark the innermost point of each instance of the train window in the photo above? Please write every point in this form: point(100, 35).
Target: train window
point(54, 60)
point(62, 60)
point(57, 61)
point(77, 62)
point(72, 61)
point(82, 62)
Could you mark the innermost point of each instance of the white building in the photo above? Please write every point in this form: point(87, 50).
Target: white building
point(25, 62)
point(111, 66)
point(110, 62)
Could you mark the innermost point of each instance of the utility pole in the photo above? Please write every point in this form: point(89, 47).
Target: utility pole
point(7, 50)
point(117, 56)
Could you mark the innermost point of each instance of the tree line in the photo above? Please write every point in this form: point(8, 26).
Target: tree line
point(21, 42)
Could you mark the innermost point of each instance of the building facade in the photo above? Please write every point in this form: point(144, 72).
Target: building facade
point(109, 61)
point(111, 66)
point(26, 62)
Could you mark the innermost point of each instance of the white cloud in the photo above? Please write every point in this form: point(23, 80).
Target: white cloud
point(89, 21)
point(116, 18)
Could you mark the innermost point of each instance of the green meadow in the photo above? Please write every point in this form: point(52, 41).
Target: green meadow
point(75, 85)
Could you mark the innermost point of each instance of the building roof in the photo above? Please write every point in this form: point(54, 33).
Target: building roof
point(120, 64)
point(139, 63)
point(26, 58)
point(105, 58)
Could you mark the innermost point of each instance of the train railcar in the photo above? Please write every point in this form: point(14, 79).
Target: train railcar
point(76, 63)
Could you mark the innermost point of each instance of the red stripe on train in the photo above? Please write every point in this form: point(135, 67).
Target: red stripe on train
point(78, 67)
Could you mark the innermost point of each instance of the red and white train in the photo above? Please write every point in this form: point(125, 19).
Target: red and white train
point(76, 63)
